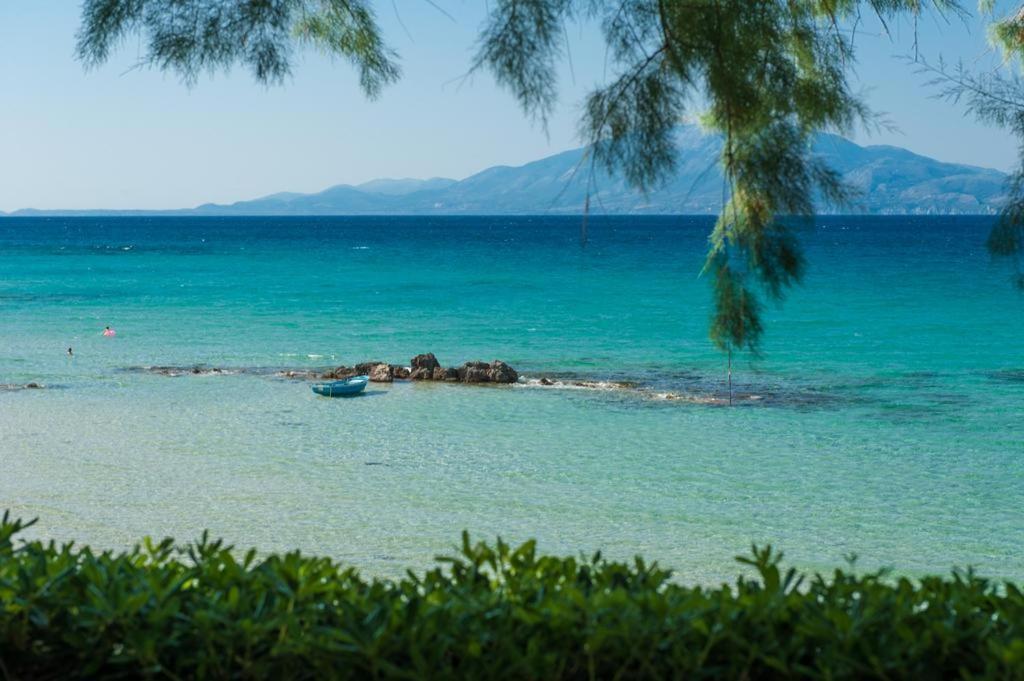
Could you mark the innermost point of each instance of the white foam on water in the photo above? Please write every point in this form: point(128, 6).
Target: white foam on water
point(577, 384)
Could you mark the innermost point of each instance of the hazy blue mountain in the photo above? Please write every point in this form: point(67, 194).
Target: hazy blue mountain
point(890, 179)
point(894, 180)
point(406, 185)
point(341, 198)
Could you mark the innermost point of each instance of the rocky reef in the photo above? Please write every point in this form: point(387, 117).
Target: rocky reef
point(482, 372)
point(194, 370)
point(679, 386)
point(20, 386)
point(425, 367)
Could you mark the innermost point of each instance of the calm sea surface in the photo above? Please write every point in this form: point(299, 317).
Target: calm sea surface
point(885, 418)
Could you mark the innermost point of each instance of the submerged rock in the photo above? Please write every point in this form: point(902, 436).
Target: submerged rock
point(1007, 375)
point(209, 371)
point(195, 370)
point(164, 371)
point(21, 386)
point(299, 374)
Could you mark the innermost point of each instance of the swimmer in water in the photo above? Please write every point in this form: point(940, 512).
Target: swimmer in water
point(109, 332)
point(70, 353)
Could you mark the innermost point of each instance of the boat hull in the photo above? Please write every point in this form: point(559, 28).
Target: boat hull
point(346, 388)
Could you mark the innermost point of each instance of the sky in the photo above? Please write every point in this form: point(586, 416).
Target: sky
point(122, 137)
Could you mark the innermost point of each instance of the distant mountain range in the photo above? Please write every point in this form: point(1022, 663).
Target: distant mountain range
point(891, 180)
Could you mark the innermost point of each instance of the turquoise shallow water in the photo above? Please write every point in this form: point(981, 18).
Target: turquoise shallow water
point(884, 419)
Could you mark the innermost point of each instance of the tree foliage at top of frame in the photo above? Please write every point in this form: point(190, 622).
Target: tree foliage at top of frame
point(997, 98)
point(193, 36)
point(766, 76)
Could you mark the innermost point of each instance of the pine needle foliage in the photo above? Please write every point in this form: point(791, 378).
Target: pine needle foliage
point(767, 76)
point(493, 612)
point(195, 36)
point(996, 98)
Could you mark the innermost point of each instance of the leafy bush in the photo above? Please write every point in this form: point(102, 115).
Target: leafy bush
point(203, 611)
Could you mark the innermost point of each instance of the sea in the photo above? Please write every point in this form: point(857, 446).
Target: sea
point(882, 421)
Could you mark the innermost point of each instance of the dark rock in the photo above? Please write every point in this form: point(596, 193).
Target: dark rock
point(339, 373)
point(502, 373)
point(482, 372)
point(427, 361)
point(546, 381)
point(451, 374)
point(381, 373)
point(364, 368)
point(33, 386)
point(399, 372)
point(474, 372)
point(421, 374)
point(438, 374)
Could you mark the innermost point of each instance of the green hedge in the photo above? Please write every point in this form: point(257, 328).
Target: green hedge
point(203, 611)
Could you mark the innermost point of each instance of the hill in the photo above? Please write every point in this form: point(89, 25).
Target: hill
point(891, 180)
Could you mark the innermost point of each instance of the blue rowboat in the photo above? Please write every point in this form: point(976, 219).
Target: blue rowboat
point(344, 388)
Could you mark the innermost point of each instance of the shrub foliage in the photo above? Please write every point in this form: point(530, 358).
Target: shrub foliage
point(491, 612)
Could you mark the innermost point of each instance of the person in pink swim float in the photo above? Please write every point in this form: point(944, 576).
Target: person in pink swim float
point(109, 332)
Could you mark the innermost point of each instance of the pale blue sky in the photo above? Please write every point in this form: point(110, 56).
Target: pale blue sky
point(122, 138)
